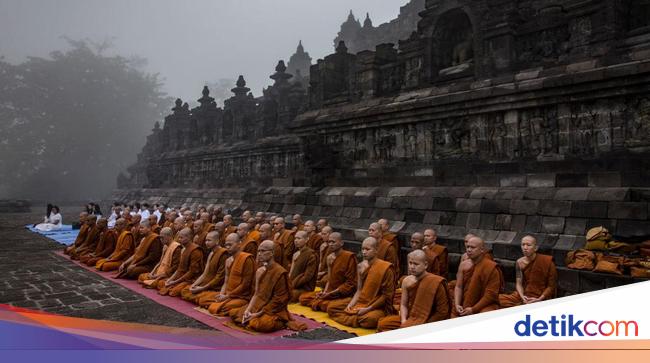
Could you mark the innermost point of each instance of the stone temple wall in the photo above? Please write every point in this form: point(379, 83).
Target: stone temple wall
point(500, 117)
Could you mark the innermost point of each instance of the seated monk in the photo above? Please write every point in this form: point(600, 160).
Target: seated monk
point(341, 277)
point(323, 252)
point(190, 266)
point(384, 227)
point(260, 219)
point(436, 252)
point(134, 226)
point(375, 288)
point(240, 274)
point(168, 263)
point(267, 310)
point(105, 246)
point(252, 224)
point(146, 255)
point(283, 242)
point(245, 216)
point(298, 224)
point(314, 239)
point(90, 242)
point(207, 225)
point(424, 296)
point(153, 222)
point(249, 239)
point(228, 225)
point(220, 228)
point(213, 275)
point(199, 235)
point(304, 267)
point(177, 226)
point(536, 277)
point(123, 248)
point(478, 282)
point(386, 250)
point(322, 223)
point(81, 236)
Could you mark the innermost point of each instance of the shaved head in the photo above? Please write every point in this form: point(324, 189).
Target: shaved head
point(166, 231)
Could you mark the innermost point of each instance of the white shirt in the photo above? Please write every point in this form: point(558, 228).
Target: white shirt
point(145, 214)
point(157, 214)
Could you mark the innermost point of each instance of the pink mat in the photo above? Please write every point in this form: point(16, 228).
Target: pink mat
point(188, 309)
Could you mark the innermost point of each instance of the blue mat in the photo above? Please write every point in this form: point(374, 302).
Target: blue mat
point(66, 235)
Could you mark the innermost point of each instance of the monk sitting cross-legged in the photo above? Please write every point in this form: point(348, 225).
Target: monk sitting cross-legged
point(386, 234)
point(323, 252)
point(386, 250)
point(322, 223)
point(123, 249)
point(314, 239)
point(283, 242)
point(478, 281)
point(267, 310)
point(90, 242)
point(249, 239)
point(341, 281)
point(375, 288)
point(146, 255)
point(536, 277)
point(189, 268)
point(240, 274)
point(214, 273)
point(436, 252)
point(81, 236)
point(198, 228)
point(168, 263)
point(101, 228)
point(424, 297)
point(303, 267)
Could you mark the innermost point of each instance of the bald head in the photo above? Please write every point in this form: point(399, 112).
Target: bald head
point(212, 239)
point(475, 248)
point(242, 229)
point(120, 224)
point(369, 248)
point(321, 224)
point(374, 231)
point(309, 227)
point(102, 223)
point(232, 243)
point(417, 263)
point(166, 235)
point(417, 241)
point(300, 239)
point(266, 230)
point(185, 236)
point(265, 252)
point(384, 225)
point(334, 242)
point(278, 224)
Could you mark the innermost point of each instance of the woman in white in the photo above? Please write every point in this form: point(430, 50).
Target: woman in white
point(51, 222)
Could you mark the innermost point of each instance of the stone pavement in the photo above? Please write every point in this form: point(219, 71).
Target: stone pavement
point(32, 277)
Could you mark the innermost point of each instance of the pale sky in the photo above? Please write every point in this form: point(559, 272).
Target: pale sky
point(188, 42)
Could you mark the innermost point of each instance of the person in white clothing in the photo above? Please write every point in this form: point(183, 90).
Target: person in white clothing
point(52, 222)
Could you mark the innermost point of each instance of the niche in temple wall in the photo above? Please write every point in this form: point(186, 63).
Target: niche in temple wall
point(453, 45)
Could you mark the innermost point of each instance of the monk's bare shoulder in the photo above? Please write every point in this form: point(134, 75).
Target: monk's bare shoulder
point(465, 265)
point(408, 282)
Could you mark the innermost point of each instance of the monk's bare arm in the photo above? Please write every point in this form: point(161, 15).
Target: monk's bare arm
point(229, 262)
point(403, 306)
point(458, 290)
point(519, 281)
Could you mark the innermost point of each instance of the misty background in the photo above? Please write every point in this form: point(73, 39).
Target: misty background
point(82, 82)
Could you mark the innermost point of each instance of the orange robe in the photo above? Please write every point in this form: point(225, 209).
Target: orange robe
point(428, 301)
point(123, 250)
point(145, 257)
point(271, 298)
point(303, 273)
point(81, 237)
point(104, 248)
point(213, 276)
point(377, 289)
point(438, 259)
point(538, 278)
point(166, 266)
point(481, 285)
point(239, 286)
point(392, 238)
point(284, 248)
point(389, 252)
point(89, 244)
point(250, 243)
point(189, 268)
point(322, 267)
point(342, 281)
point(314, 242)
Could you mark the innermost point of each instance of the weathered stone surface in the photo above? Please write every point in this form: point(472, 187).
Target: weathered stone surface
point(589, 209)
point(628, 210)
point(555, 208)
point(552, 225)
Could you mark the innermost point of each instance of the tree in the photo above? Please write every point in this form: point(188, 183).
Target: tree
point(71, 122)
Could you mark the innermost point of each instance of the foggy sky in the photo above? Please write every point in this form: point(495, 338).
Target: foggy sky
point(188, 42)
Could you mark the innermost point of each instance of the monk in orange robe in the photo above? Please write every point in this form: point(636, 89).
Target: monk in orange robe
point(267, 310)
point(341, 281)
point(90, 242)
point(536, 277)
point(260, 219)
point(322, 223)
point(146, 255)
point(81, 236)
point(298, 224)
point(124, 248)
point(252, 224)
point(219, 228)
point(240, 276)
point(375, 288)
point(283, 242)
point(228, 225)
point(478, 282)
point(249, 239)
point(386, 250)
point(106, 245)
point(314, 239)
point(153, 222)
point(304, 267)
point(424, 297)
point(168, 263)
point(245, 216)
point(384, 226)
point(323, 252)
point(200, 232)
point(190, 267)
point(437, 254)
point(213, 275)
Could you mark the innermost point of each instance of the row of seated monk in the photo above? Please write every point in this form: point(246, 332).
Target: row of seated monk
point(252, 271)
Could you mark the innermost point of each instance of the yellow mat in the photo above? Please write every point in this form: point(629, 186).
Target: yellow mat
point(321, 317)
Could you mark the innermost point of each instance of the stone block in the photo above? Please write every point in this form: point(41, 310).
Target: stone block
point(533, 224)
point(513, 181)
point(575, 226)
point(359, 201)
point(511, 193)
point(592, 281)
point(424, 203)
point(503, 222)
point(518, 223)
point(413, 216)
point(495, 206)
point(555, 208)
point(540, 180)
point(468, 205)
point(572, 194)
point(444, 204)
point(401, 202)
point(568, 281)
point(461, 219)
point(552, 225)
point(540, 193)
point(527, 207)
point(487, 221)
point(607, 180)
point(483, 193)
point(587, 209)
point(473, 220)
point(609, 194)
point(383, 202)
point(352, 212)
point(628, 228)
point(628, 210)
point(506, 237)
point(432, 217)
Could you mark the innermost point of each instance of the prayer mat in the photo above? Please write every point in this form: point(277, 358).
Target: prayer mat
point(321, 317)
point(66, 235)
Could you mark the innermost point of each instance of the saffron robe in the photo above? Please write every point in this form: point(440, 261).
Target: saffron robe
point(342, 282)
point(145, 257)
point(250, 243)
point(123, 250)
point(104, 248)
point(89, 244)
point(389, 252)
point(189, 268)
point(303, 273)
point(167, 264)
point(213, 276)
point(81, 237)
point(438, 259)
point(239, 286)
point(481, 285)
point(284, 248)
point(377, 289)
point(539, 278)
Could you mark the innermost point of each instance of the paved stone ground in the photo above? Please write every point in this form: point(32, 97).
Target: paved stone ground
point(32, 277)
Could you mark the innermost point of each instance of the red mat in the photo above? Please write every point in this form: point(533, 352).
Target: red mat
point(188, 309)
